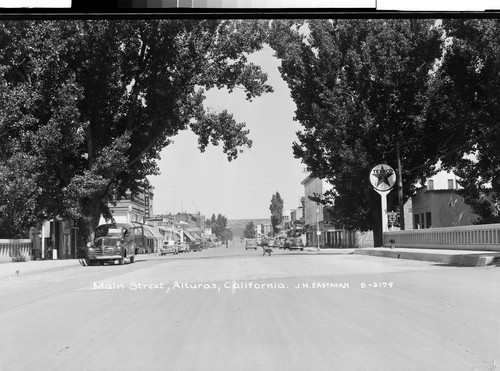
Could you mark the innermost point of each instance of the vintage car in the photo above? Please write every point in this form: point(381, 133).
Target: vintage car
point(169, 247)
point(279, 242)
point(289, 241)
point(109, 249)
point(196, 245)
point(182, 246)
point(251, 243)
point(296, 244)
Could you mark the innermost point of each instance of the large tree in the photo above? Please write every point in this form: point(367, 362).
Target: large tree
point(87, 105)
point(249, 231)
point(218, 225)
point(466, 102)
point(361, 90)
point(276, 209)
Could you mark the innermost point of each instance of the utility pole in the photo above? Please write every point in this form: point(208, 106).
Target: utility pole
point(317, 226)
point(400, 191)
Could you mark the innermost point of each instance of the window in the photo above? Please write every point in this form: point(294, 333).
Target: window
point(450, 184)
point(416, 221)
point(430, 184)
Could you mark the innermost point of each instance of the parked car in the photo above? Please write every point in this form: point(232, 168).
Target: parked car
point(109, 249)
point(296, 244)
point(182, 247)
point(114, 243)
point(289, 241)
point(271, 242)
point(169, 247)
point(251, 243)
point(195, 246)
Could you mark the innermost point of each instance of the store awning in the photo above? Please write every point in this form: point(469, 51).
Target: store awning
point(170, 231)
point(151, 233)
point(189, 236)
point(156, 232)
point(148, 233)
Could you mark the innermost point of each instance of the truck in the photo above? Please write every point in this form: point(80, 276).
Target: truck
point(115, 243)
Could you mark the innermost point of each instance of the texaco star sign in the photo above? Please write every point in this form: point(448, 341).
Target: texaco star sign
point(382, 178)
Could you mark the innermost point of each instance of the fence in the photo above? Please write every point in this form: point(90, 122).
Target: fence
point(16, 250)
point(343, 238)
point(484, 237)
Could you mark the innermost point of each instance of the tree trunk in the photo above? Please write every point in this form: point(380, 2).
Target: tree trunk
point(88, 224)
point(376, 210)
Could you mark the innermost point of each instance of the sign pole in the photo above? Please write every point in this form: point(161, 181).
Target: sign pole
point(383, 201)
point(382, 178)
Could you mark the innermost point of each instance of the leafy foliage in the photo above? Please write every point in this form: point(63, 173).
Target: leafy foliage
point(276, 209)
point(219, 227)
point(361, 87)
point(87, 105)
point(468, 90)
point(249, 231)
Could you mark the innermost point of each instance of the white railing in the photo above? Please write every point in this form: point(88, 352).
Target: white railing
point(471, 237)
point(15, 250)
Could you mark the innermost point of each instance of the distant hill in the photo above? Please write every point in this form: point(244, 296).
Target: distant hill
point(237, 226)
point(244, 222)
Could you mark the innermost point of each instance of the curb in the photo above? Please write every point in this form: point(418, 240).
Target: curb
point(448, 257)
point(21, 268)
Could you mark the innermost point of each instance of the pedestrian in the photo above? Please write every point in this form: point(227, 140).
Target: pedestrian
point(226, 244)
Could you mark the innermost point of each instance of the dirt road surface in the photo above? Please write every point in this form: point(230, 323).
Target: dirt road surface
point(230, 309)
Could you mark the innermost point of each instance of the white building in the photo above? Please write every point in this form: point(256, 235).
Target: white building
point(286, 218)
point(314, 212)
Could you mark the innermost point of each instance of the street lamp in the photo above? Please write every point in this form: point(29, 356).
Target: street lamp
point(317, 226)
point(129, 200)
point(129, 210)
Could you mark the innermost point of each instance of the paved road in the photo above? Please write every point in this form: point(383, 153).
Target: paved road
point(230, 309)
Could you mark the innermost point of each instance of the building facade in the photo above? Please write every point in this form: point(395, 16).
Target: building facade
point(138, 208)
point(316, 223)
point(263, 230)
point(439, 204)
point(440, 208)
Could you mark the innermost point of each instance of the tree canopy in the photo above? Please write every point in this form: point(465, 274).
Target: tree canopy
point(365, 87)
point(87, 105)
point(218, 226)
point(466, 104)
point(361, 88)
point(249, 231)
point(276, 209)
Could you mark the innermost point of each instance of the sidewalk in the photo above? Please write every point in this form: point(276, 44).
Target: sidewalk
point(325, 251)
point(465, 258)
point(15, 269)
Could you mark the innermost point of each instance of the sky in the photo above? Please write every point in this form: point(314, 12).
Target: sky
point(208, 183)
